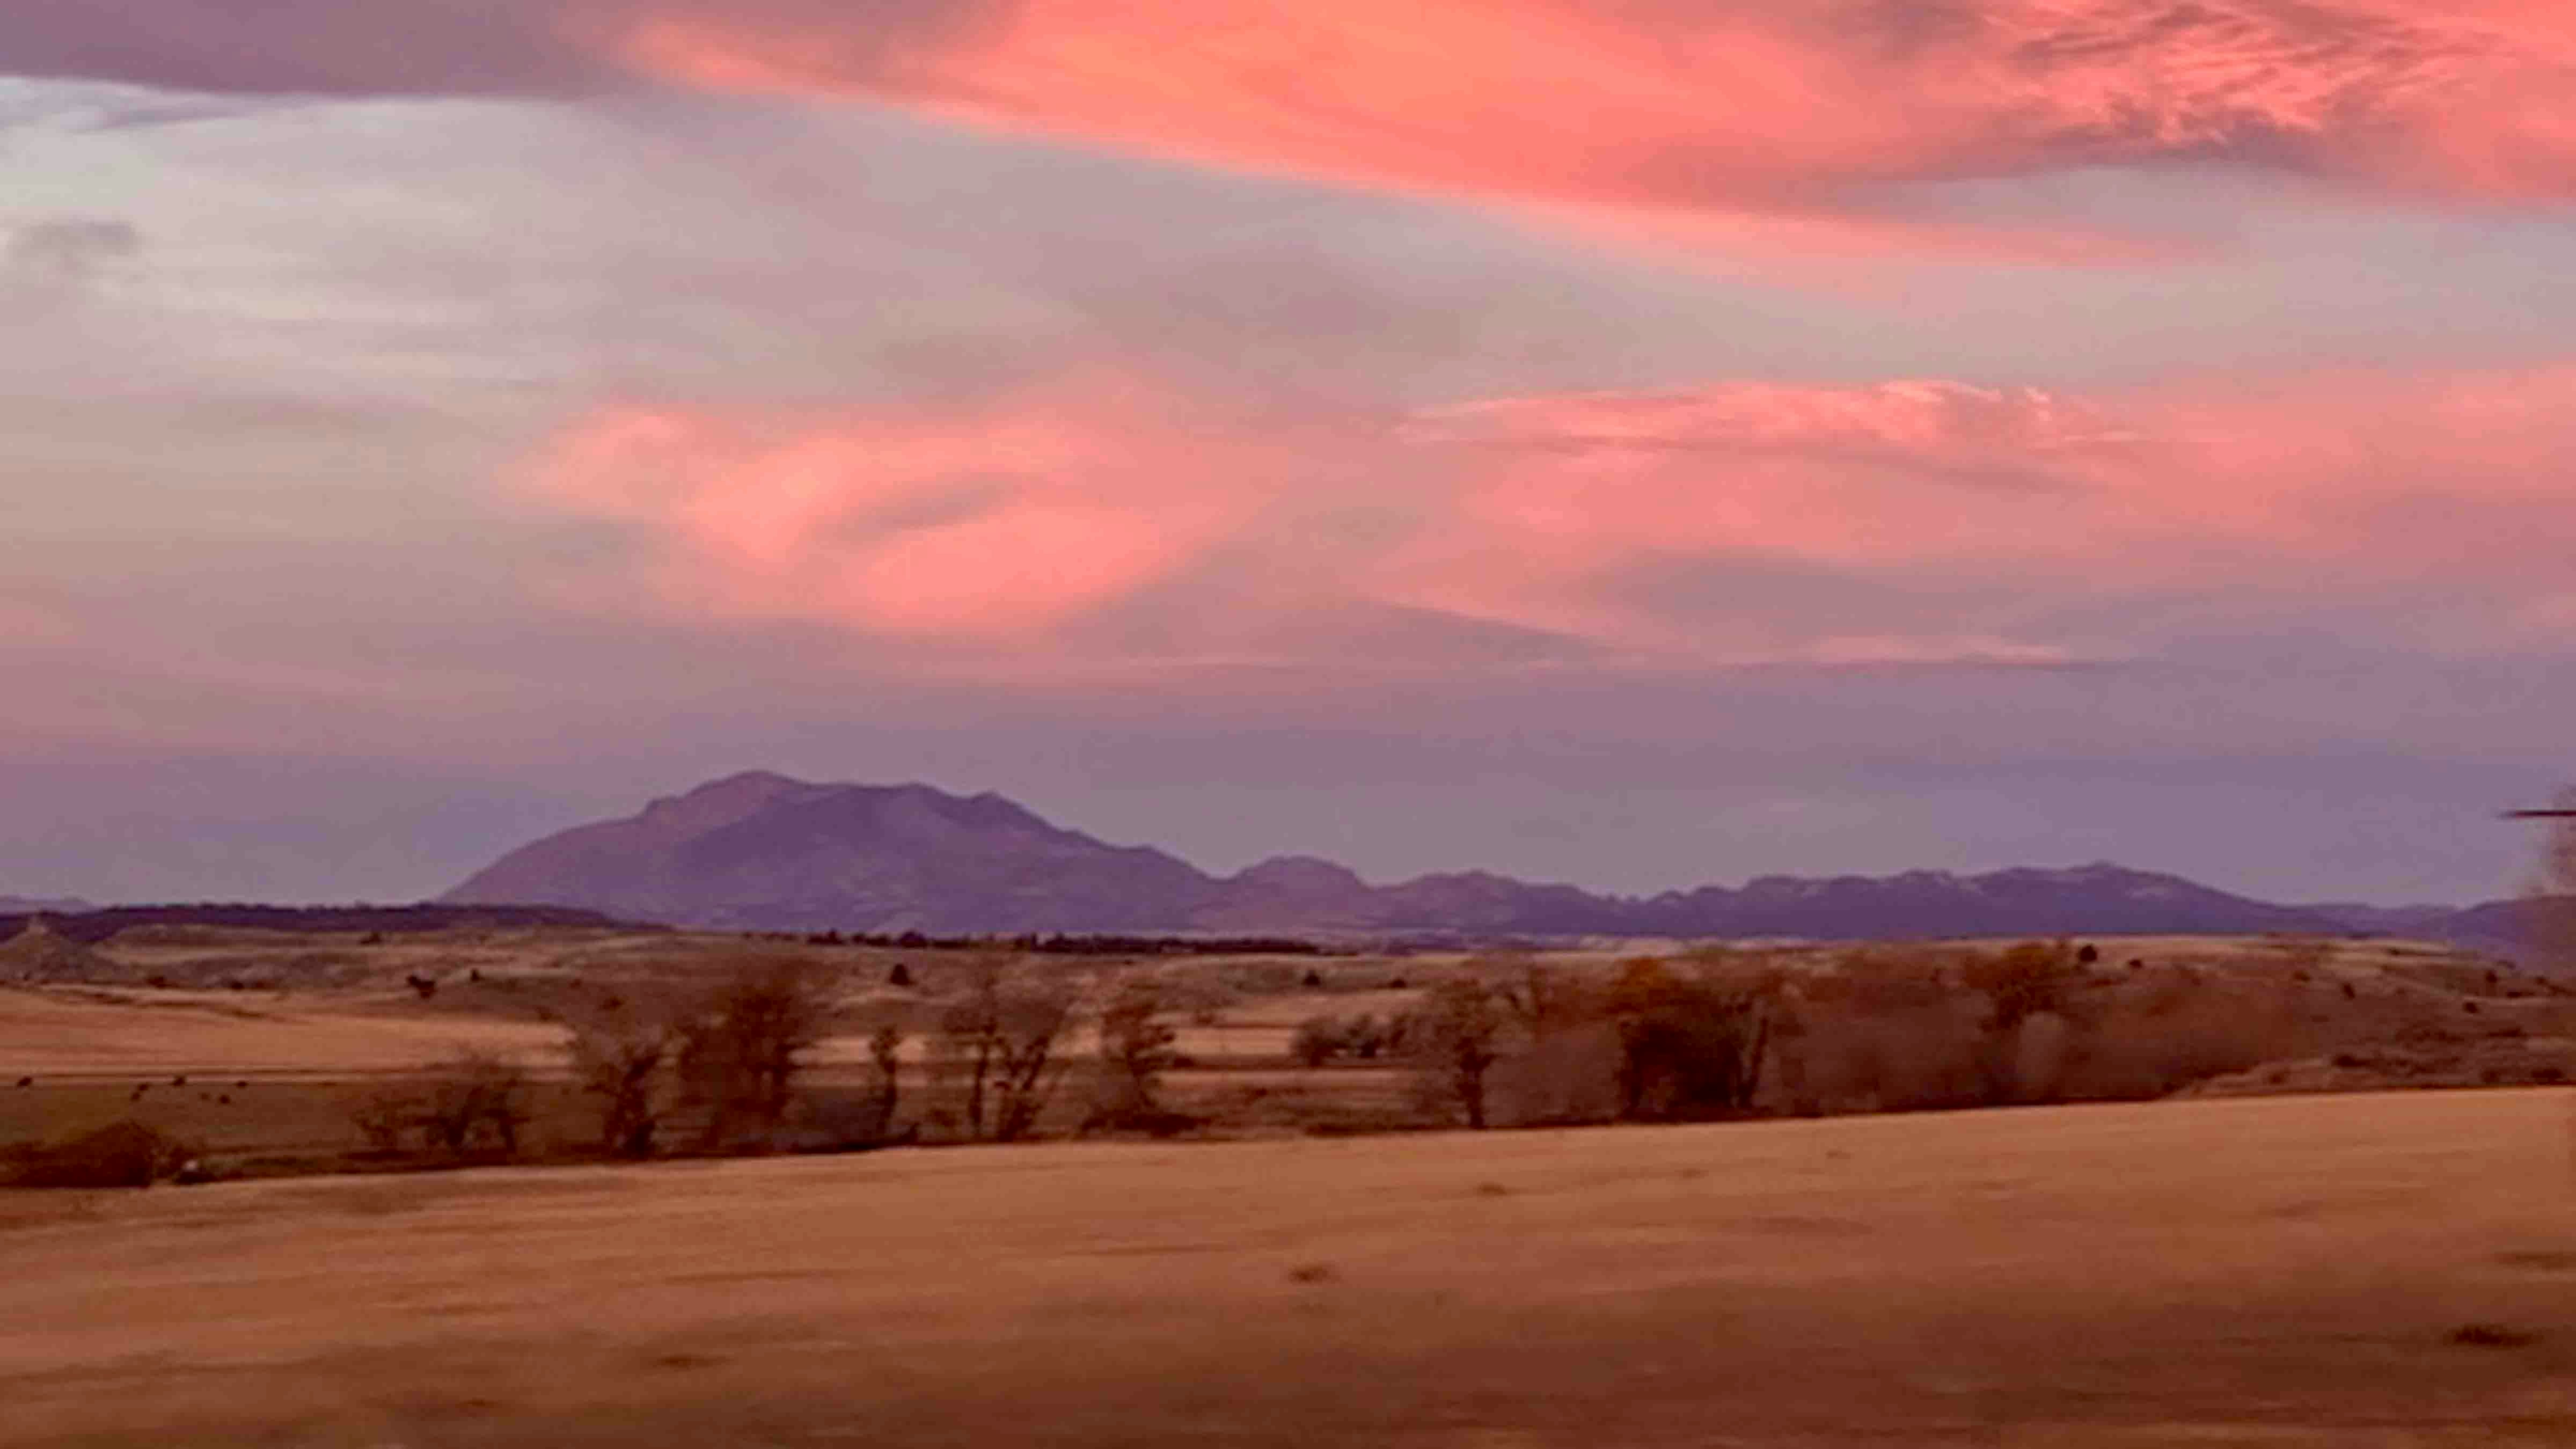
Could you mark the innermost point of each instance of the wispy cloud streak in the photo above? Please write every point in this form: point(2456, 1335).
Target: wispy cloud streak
point(1709, 110)
point(1685, 112)
point(1910, 520)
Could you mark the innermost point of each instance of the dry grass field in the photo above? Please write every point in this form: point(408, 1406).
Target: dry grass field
point(250, 1045)
point(138, 1033)
point(2272, 1272)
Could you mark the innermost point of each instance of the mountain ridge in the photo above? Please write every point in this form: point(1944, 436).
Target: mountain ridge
point(42, 905)
point(762, 851)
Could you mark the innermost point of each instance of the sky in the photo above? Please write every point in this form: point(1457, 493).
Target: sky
point(1638, 443)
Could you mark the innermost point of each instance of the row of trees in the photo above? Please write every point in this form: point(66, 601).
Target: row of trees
point(1717, 1033)
point(1713, 1034)
point(1681, 1041)
point(716, 1066)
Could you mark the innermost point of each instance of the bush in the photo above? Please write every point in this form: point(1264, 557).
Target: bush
point(474, 1102)
point(1318, 1040)
point(125, 1153)
point(1567, 1075)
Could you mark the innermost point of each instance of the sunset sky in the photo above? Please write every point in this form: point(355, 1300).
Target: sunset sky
point(1629, 442)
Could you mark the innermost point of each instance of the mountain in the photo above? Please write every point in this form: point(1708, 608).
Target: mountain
point(761, 851)
point(765, 852)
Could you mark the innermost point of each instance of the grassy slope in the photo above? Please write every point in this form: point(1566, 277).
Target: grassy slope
point(2276, 1272)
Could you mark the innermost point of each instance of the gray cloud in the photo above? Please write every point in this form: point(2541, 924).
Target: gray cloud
point(68, 250)
point(392, 47)
point(49, 264)
point(313, 46)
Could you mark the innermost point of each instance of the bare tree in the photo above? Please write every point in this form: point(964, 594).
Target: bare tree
point(1694, 1043)
point(2022, 984)
point(885, 1053)
point(619, 1053)
point(473, 1101)
point(741, 1046)
point(1001, 1037)
point(1135, 1051)
point(1456, 1036)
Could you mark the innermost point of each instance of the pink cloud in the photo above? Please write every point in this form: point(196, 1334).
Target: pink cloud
point(1974, 513)
point(1711, 116)
point(994, 520)
point(2335, 488)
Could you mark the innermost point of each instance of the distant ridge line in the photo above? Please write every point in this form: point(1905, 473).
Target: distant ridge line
point(763, 851)
point(89, 927)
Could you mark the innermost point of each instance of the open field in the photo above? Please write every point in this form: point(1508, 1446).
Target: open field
point(2275, 1272)
point(251, 1045)
point(141, 1033)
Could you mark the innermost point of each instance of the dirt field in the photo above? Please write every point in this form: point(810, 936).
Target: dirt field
point(2276, 1272)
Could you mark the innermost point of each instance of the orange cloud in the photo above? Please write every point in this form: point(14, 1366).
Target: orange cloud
point(1904, 521)
point(1710, 113)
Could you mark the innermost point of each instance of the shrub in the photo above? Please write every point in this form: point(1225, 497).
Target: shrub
point(477, 1100)
point(1318, 1040)
point(124, 1153)
point(1567, 1074)
point(472, 1102)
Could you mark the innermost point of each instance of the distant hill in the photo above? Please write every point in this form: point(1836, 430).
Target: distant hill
point(93, 926)
point(39, 906)
point(764, 852)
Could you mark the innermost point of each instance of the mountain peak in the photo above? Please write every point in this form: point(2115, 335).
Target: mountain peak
point(752, 780)
point(764, 851)
point(1299, 872)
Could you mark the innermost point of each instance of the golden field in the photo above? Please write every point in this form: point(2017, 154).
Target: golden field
point(2274, 1272)
point(2374, 1269)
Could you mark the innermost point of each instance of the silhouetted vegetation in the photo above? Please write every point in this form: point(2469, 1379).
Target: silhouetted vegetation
point(1456, 1036)
point(997, 1047)
point(740, 1045)
point(1065, 945)
point(91, 927)
point(619, 1053)
point(1135, 1051)
point(696, 1047)
point(122, 1154)
point(474, 1103)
